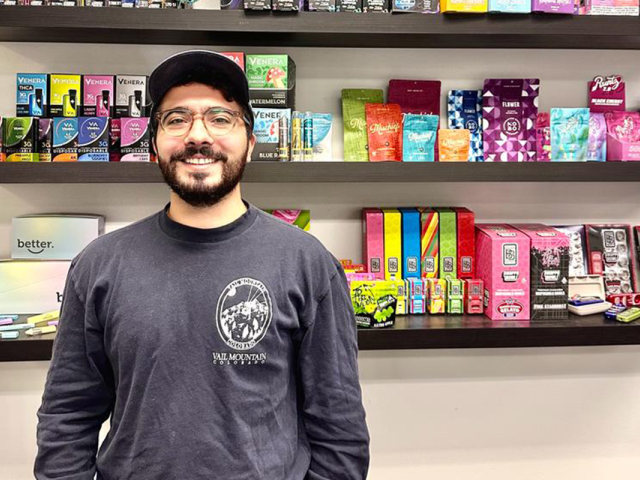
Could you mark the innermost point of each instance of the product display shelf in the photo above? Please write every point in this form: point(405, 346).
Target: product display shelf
point(315, 29)
point(334, 172)
point(431, 332)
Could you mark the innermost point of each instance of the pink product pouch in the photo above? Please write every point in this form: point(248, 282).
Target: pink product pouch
point(623, 126)
point(543, 137)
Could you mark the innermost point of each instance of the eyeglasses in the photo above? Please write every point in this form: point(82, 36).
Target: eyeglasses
point(218, 121)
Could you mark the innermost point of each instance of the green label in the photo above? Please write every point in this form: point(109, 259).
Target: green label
point(268, 71)
point(16, 130)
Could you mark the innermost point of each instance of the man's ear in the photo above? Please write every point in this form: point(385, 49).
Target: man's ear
point(252, 143)
point(153, 146)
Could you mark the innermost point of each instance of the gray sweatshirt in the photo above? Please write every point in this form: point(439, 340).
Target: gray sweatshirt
point(227, 353)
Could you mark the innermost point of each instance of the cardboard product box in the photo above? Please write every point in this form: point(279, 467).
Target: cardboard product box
point(93, 139)
point(135, 140)
point(297, 218)
point(232, 4)
point(415, 289)
point(379, 6)
point(237, 57)
point(464, 6)
point(436, 297)
point(20, 136)
point(466, 246)
point(32, 94)
point(97, 95)
point(553, 6)
point(510, 6)
point(578, 265)
point(257, 4)
point(53, 236)
point(549, 267)
point(349, 6)
point(114, 140)
point(637, 238)
point(610, 252)
point(267, 132)
point(415, 6)
point(65, 140)
point(374, 303)
point(32, 286)
point(320, 5)
point(285, 5)
point(411, 236)
point(45, 139)
point(373, 241)
point(272, 81)
point(614, 7)
point(455, 296)
point(402, 307)
point(65, 95)
point(429, 260)
point(473, 296)
point(131, 96)
point(502, 254)
point(448, 243)
point(392, 244)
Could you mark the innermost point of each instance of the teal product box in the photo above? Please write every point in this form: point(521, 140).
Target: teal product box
point(510, 6)
point(411, 236)
point(267, 132)
point(416, 295)
point(32, 93)
point(53, 236)
point(322, 151)
point(93, 139)
point(45, 139)
point(65, 139)
point(419, 133)
point(569, 134)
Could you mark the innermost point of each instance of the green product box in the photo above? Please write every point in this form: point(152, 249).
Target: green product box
point(448, 243)
point(374, 303)
point(65, 95)
point(356, 143)
point(272, 81)
point(455, 296)
point(20, 136)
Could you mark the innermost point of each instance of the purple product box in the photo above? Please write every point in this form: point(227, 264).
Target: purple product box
point(93, 139)
point(232, 4)
point(135, 140)
point(45, 138)
point(553, 6)
point(509, 111)
point(97, 95)
point(114, 140)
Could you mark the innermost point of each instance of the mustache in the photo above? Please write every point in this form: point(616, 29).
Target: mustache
point(205, 151)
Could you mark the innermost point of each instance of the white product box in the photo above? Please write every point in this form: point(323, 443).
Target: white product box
point(53, 236)
point(31, 286)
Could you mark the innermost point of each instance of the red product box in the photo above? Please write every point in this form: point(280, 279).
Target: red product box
point(610, 252)
point(237, 57)
point(626, 299)
point(473, 290)
point(466, 230)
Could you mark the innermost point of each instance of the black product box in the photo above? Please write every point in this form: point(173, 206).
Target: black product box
point(257, 4)
point(115, 3)
point(320, 5)
point(114, 140)
point(285, 5)
point(415, 6)
point(265, 152)
point(611, 254)
point(45, 139)
point(380, 6)
point(349, 6)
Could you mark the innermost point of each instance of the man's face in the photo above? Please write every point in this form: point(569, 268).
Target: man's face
point(202, 185)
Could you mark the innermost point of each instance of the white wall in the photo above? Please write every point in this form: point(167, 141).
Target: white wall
point(453, 414)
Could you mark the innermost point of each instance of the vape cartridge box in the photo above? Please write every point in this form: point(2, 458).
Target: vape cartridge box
point(381, 6)
point(97, 95)
point(45, 139)
point(416, 296)
point(429, 243)
point(114, 140)
point(553, 6)
point(257, 4)
point(267, 132)
point(415, 6)
point(135, 140)
point(272, 80)
point(232, 4)
point(373, 241)
point(131, 96)
point(614, 7)
point(65, 140)
point(93, 139)
point(466, 247)
point(502, 254)
point(64, 96)
point(402, 305)
point(411, 243)
point(455, 296)
point(374, 303)
point(610, 251)
point(237, 57)
point(578, 265)
point(510, 6)
point(473, 294)
point(53, 236)
point(349, 6)
point(436, 295)
point(392, 244)
point(20, 135)
point(549, 267)
point(464, 6)
point(447, 240)
point(285, 5)
point(320, 5)
point(28, 287)
point(32, 92)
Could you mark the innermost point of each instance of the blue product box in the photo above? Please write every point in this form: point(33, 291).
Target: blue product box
point(410, 242)
point(93, 139)
point(32, 92)
point(65, 139)
point(510, 6)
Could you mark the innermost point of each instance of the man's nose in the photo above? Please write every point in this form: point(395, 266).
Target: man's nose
point(198, 134)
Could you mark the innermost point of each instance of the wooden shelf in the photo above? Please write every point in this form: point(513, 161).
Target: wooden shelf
point(334, 172)
point(315, 29)
point(431, 332)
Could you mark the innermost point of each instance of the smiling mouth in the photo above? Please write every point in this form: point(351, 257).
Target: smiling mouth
point(199, 161)
point(35, 253)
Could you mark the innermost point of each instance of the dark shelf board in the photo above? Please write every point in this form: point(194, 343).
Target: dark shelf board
point(432, 332)
point(315, 29)
point(333, 172)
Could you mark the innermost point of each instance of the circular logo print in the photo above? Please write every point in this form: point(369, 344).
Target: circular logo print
point(243, 314)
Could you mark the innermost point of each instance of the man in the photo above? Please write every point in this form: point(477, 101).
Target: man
point(219, 341)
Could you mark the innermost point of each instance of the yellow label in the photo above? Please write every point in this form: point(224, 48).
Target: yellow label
point(467, 6)
point(392, 244)
point(62, 85)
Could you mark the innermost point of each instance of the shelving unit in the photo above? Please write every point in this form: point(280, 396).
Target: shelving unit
point(431, 332)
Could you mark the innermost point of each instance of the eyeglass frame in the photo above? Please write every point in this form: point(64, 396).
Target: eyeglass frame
point(235, 113)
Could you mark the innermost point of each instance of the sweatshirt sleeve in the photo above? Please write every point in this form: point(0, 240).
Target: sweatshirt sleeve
point(333, 413)
point(78, 395)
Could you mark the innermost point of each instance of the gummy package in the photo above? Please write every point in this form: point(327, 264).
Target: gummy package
point(465, 111)
point(543, 137)
point(597, 145)
point(624, 126)
point(384, 123)
point(419, 137)
point(454, 145)
point(569, 134)
point(356, 148)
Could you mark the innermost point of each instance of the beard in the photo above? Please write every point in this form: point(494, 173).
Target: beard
point(196, 192)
